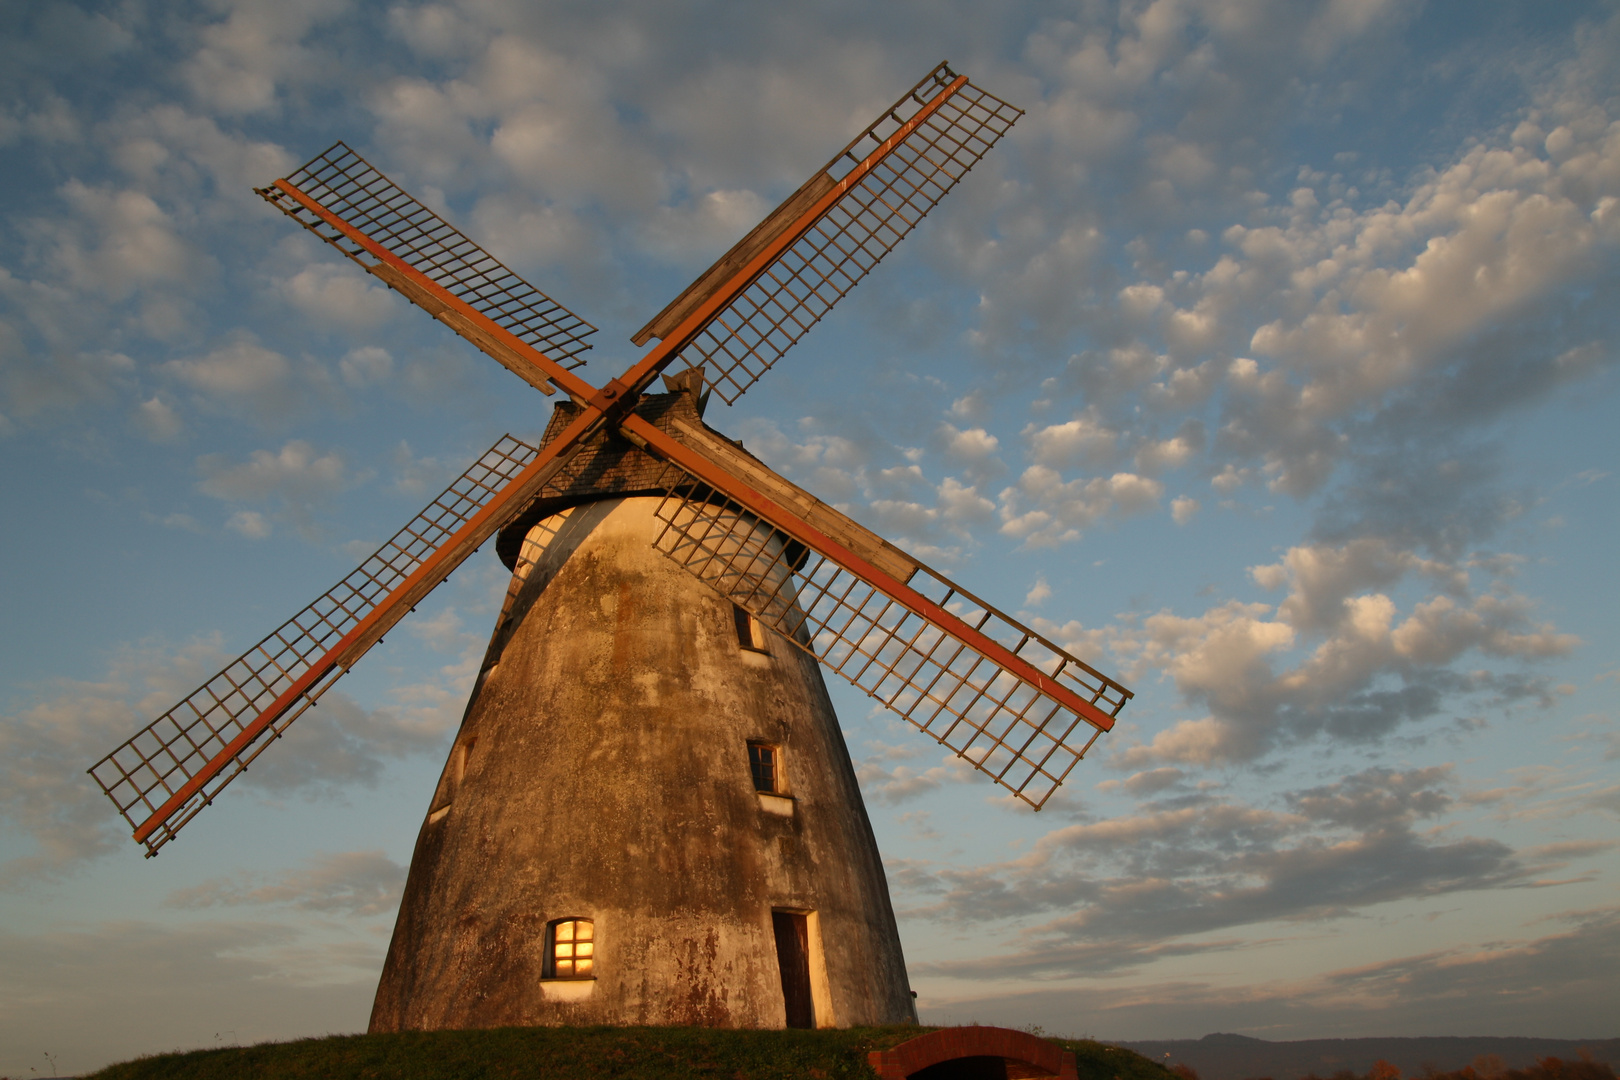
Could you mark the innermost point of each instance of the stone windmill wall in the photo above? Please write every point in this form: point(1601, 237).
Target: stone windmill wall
point(601, 785)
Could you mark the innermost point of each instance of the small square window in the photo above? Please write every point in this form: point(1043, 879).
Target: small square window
point(765, 762)
point(571, 949)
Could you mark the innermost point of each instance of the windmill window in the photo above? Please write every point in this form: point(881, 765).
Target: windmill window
point(450, 784)
point(765, 762)
point(571, 949)
point(750, 634)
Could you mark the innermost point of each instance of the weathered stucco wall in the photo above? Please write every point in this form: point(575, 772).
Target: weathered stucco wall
point(602, 772)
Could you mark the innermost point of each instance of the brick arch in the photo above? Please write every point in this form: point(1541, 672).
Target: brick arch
point(977, 1052)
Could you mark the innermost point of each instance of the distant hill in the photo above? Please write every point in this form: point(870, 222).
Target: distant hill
point(1238, 1057)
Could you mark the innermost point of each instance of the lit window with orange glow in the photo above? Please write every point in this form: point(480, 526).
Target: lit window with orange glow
point(572, 951)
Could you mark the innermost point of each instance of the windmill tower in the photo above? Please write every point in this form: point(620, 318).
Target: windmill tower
point(648, 814)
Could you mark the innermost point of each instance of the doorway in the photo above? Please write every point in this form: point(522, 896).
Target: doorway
point(793, 958)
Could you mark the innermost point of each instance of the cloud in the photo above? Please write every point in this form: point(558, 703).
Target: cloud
point(892, 784)
point(1552, 983)
point(47, 744)
point(1042, 510)
point(415, 476)
point(346, 883)
point(38, 391)
point(339, 296)
point(1371, 669)
point(366, 365)
point(899, 501)
point(243, 378)
point(298, 478)
point(697, 232)
point(339, 744)
point(188, 160)
point(249, 523)
point(245, 57)
point(203, 984)
point(115, 242)
point(1340, 319)
point(1143, 784)
point(157, 420)
point(974, 444)
point(1183, 509)
point(297, 470)
point(124, 253)
point(1121, 892)
point(1038, 593)
point(1156, 456)
point(1080, 441)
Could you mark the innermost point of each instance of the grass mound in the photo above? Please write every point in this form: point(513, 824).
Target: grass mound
point(551, 1053)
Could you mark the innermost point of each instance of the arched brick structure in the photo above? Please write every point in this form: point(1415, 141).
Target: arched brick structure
point(973, 1053)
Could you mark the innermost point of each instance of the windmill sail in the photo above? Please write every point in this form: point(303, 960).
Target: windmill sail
point(351, 192)
point(1014, 704)
point(169, 770)
point(859, 207)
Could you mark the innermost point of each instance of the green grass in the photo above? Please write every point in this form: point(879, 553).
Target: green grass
point(579, 1054)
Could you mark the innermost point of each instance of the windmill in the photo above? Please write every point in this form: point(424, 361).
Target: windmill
point(648, 814)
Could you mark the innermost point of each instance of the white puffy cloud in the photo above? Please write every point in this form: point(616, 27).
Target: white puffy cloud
point(414, 476)
point(884, 780)
point(1323, 576)
point(1043, 510)
point(1497, 228)
point(297, 471)
point(339, 295)
point(205, 171)
point(1038, 593)
point(249, 523)
point(1239, 660)
point(1157, 455)
point(245, 57)
point(1081, 441)
point(115, 242)
point(297, 478)
point(366, 365)
point(974, 444)
point(244, 378)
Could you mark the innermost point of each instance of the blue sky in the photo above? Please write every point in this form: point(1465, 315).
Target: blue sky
point(1269, 364)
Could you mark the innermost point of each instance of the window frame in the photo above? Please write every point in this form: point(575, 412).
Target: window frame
point(750, 631)
point(550, 968)
point(776, 765)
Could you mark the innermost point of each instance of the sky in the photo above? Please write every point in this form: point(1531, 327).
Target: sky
point(1269, 364)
